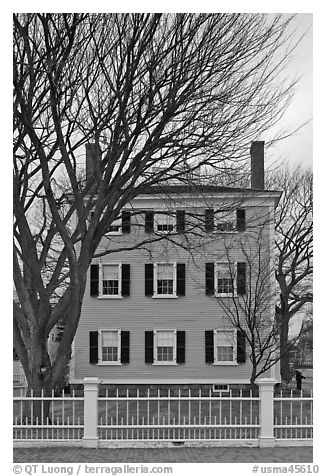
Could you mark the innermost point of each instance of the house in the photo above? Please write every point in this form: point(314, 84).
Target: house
point(150, 316)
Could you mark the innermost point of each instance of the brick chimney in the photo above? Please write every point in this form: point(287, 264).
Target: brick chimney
point(93, 157)
point(257, 165)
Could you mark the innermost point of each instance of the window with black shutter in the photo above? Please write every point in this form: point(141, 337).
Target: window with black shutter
point(93, 347)
point(209, 220)
point(241, 346)
point(149, 283)
point(125, 276)
point(209, 347)
point(125, 345)
point(181, 347)
point(125, 222)
point(241, 219)
point(209, 279)
point(149, 222)
point(149, 347)
point(241, 279)
point(94, 275)
point(180, 216)
point(181, 279)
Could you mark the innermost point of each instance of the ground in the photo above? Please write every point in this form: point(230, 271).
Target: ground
point(163, 455)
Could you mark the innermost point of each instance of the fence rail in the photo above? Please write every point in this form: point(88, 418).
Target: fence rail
point(164, 415)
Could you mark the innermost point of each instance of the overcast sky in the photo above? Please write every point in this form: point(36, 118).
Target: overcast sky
point(298, 148)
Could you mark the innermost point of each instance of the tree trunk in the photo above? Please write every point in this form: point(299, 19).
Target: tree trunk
point(285, 349)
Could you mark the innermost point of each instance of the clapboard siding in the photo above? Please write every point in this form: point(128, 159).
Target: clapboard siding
point(193, 313)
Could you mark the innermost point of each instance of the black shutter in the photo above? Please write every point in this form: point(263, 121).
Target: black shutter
point(181, 214)
point(149, 347)
point(181, 279)
point(209, 279)
point(93, 347)
point(209, 347)
point(149, 285)
point(149, 222)
point(241, 219)
point(181, 347)
point(125, 284)
point(125, 222)
point(94, 279)
point(241, 346)
point(241, 279)
point(125, 347)
point(209, 220)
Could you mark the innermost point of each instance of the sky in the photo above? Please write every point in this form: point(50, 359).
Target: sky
point(298, 148)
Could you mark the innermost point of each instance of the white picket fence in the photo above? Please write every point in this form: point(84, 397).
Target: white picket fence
point(178, 415)
point(137, 417)
point(293, 415)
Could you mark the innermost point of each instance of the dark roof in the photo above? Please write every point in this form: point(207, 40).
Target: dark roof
point(166, 189)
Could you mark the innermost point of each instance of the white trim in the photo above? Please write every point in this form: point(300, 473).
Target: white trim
point(226, 363)
point(100, 287)
point(165, 296)
point(164, 363)
point(99, 355)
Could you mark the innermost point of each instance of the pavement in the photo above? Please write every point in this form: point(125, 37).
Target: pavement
point(163, 455)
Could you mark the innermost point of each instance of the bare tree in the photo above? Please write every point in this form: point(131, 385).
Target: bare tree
point(294, 252)
point(248, 306)
point(157, 95)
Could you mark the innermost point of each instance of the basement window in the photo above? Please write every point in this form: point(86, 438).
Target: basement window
point(221, 388)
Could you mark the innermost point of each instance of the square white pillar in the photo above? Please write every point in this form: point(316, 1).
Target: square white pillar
point(91, 386)
point(266, 411)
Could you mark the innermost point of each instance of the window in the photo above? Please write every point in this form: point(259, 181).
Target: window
point(164, 222)
point(111, 279)
point(224, 281)
point(116, 227)
point(226, 221)
point(225, 346)
point(165, 346)
point(110, 343)
point(109, 347)
point(164, 279)
point(220, 388)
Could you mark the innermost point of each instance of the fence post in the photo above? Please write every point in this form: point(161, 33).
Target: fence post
point(90, 439)
point(266, 411)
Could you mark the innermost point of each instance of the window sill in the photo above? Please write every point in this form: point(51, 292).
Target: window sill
point(225, 363)
point(109, 297)
point(114, 233)
point(165, 363)
point(225, 295)
point(111, 364)
point(164, 296)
